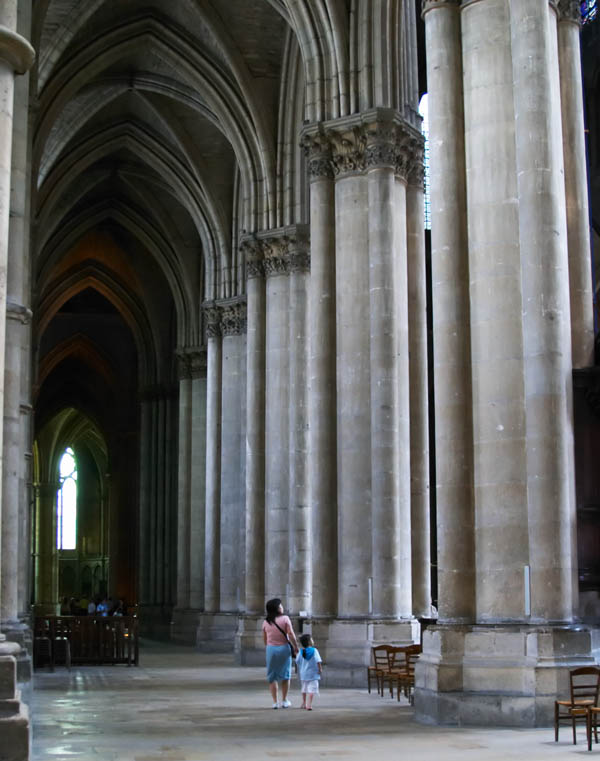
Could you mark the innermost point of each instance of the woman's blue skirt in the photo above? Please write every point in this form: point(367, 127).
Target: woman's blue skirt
point(279, 663)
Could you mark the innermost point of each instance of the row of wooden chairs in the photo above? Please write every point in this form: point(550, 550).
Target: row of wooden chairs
point(395, 666)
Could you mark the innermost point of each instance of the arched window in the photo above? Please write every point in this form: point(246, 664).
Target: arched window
point(589, 10)
point(66, 503)
point(423, 110)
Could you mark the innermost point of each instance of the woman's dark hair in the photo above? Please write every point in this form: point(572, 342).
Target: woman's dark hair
point(272, 609)
point(305, 640)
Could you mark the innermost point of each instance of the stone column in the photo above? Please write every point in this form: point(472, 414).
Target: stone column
point(576, 188)
point(388, 345)
point(352, 373)
point(419, 390)
point(46, 578)
point(16, 57)
point(450, 303)
point(197, 538)
point(255, 428)
point(184, 483)
point(213, 460)
point(546, 314)
point(300, 571)
point(145, 487)
point(277, 495)
point(321, 379)
point(233, 325)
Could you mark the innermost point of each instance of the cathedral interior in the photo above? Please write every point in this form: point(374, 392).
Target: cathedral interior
point(277, 340)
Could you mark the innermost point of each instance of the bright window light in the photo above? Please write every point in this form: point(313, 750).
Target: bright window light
point(66, 503)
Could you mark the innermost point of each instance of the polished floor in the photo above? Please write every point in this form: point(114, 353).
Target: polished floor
point(179, 705)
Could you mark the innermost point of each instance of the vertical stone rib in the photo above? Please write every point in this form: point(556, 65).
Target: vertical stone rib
point(197, 537)
point(419, 403)
point(184, 486)
point(255, 430)
point(454, 458)
point(576, 190)
point(546, 314)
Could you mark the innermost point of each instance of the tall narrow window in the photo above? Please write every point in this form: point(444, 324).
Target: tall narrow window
point(589, 10)
point(66, 507)
point(423, 110)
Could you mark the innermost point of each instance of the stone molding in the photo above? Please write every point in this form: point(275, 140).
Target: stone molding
point(569, 10)
point(429, 5)
point(191, 363)
point(18, 312)
point(16, 51)
point(380, 138)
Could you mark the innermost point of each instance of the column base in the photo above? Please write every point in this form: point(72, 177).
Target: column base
point(155, 621)
point(345, 644)
point(497, 675)
point(15, 729)
point(19, 632)
point(184, 626)
point(216, 632)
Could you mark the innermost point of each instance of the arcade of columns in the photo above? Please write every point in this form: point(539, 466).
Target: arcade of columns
point(301, 426)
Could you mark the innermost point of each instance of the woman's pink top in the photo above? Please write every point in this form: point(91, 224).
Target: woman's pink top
point(274, 636)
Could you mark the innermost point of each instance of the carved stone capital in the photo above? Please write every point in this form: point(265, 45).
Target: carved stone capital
point(233, 318)
point(318, 152)
point(429, 5)
point(252, 251)
point(212, 318)
point(415, 166)
point(275, 251)
point(191, 363)
point(15, 51)
point(381, 150)
point(349, 149)
point(569, 10)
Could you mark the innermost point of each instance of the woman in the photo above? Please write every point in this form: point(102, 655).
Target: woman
point(278, 635)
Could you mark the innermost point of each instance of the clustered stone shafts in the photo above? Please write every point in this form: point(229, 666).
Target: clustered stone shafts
point(337, 152)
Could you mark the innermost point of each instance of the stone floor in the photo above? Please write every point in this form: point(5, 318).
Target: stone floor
point(183, 706)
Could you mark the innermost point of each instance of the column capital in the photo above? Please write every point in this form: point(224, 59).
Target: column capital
point(252, 251)
point(233, 317)
point(569, 10)
point(317, 148)
point(15, 51)
point(212, 319)
point(191, 362)
point(429, 5)
point(280, 251)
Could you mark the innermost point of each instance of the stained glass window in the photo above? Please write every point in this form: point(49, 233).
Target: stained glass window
point(423, 110)
point(589, 10)
point(66, 502)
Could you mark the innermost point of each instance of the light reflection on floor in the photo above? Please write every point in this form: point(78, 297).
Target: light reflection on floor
point(183, 706)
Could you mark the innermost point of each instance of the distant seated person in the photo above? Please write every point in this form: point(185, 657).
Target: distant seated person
point(65, 607)
point(83, 606)
point(73, 606)
point(119, 609)
point(91, 609)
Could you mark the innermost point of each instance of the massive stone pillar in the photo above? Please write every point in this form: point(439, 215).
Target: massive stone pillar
point(321, 378)
point(16, 57)
point(576, 188)
point(300, 571)
point(419, 392)
point(191, 494)
point(499, 655)
point(277, 422)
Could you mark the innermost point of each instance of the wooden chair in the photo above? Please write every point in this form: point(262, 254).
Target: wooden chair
point(592, 723)
point(379, 667)
point(402, 670)
point(584, 686)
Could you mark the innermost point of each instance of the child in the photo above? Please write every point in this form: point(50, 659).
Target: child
point(308, 661)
